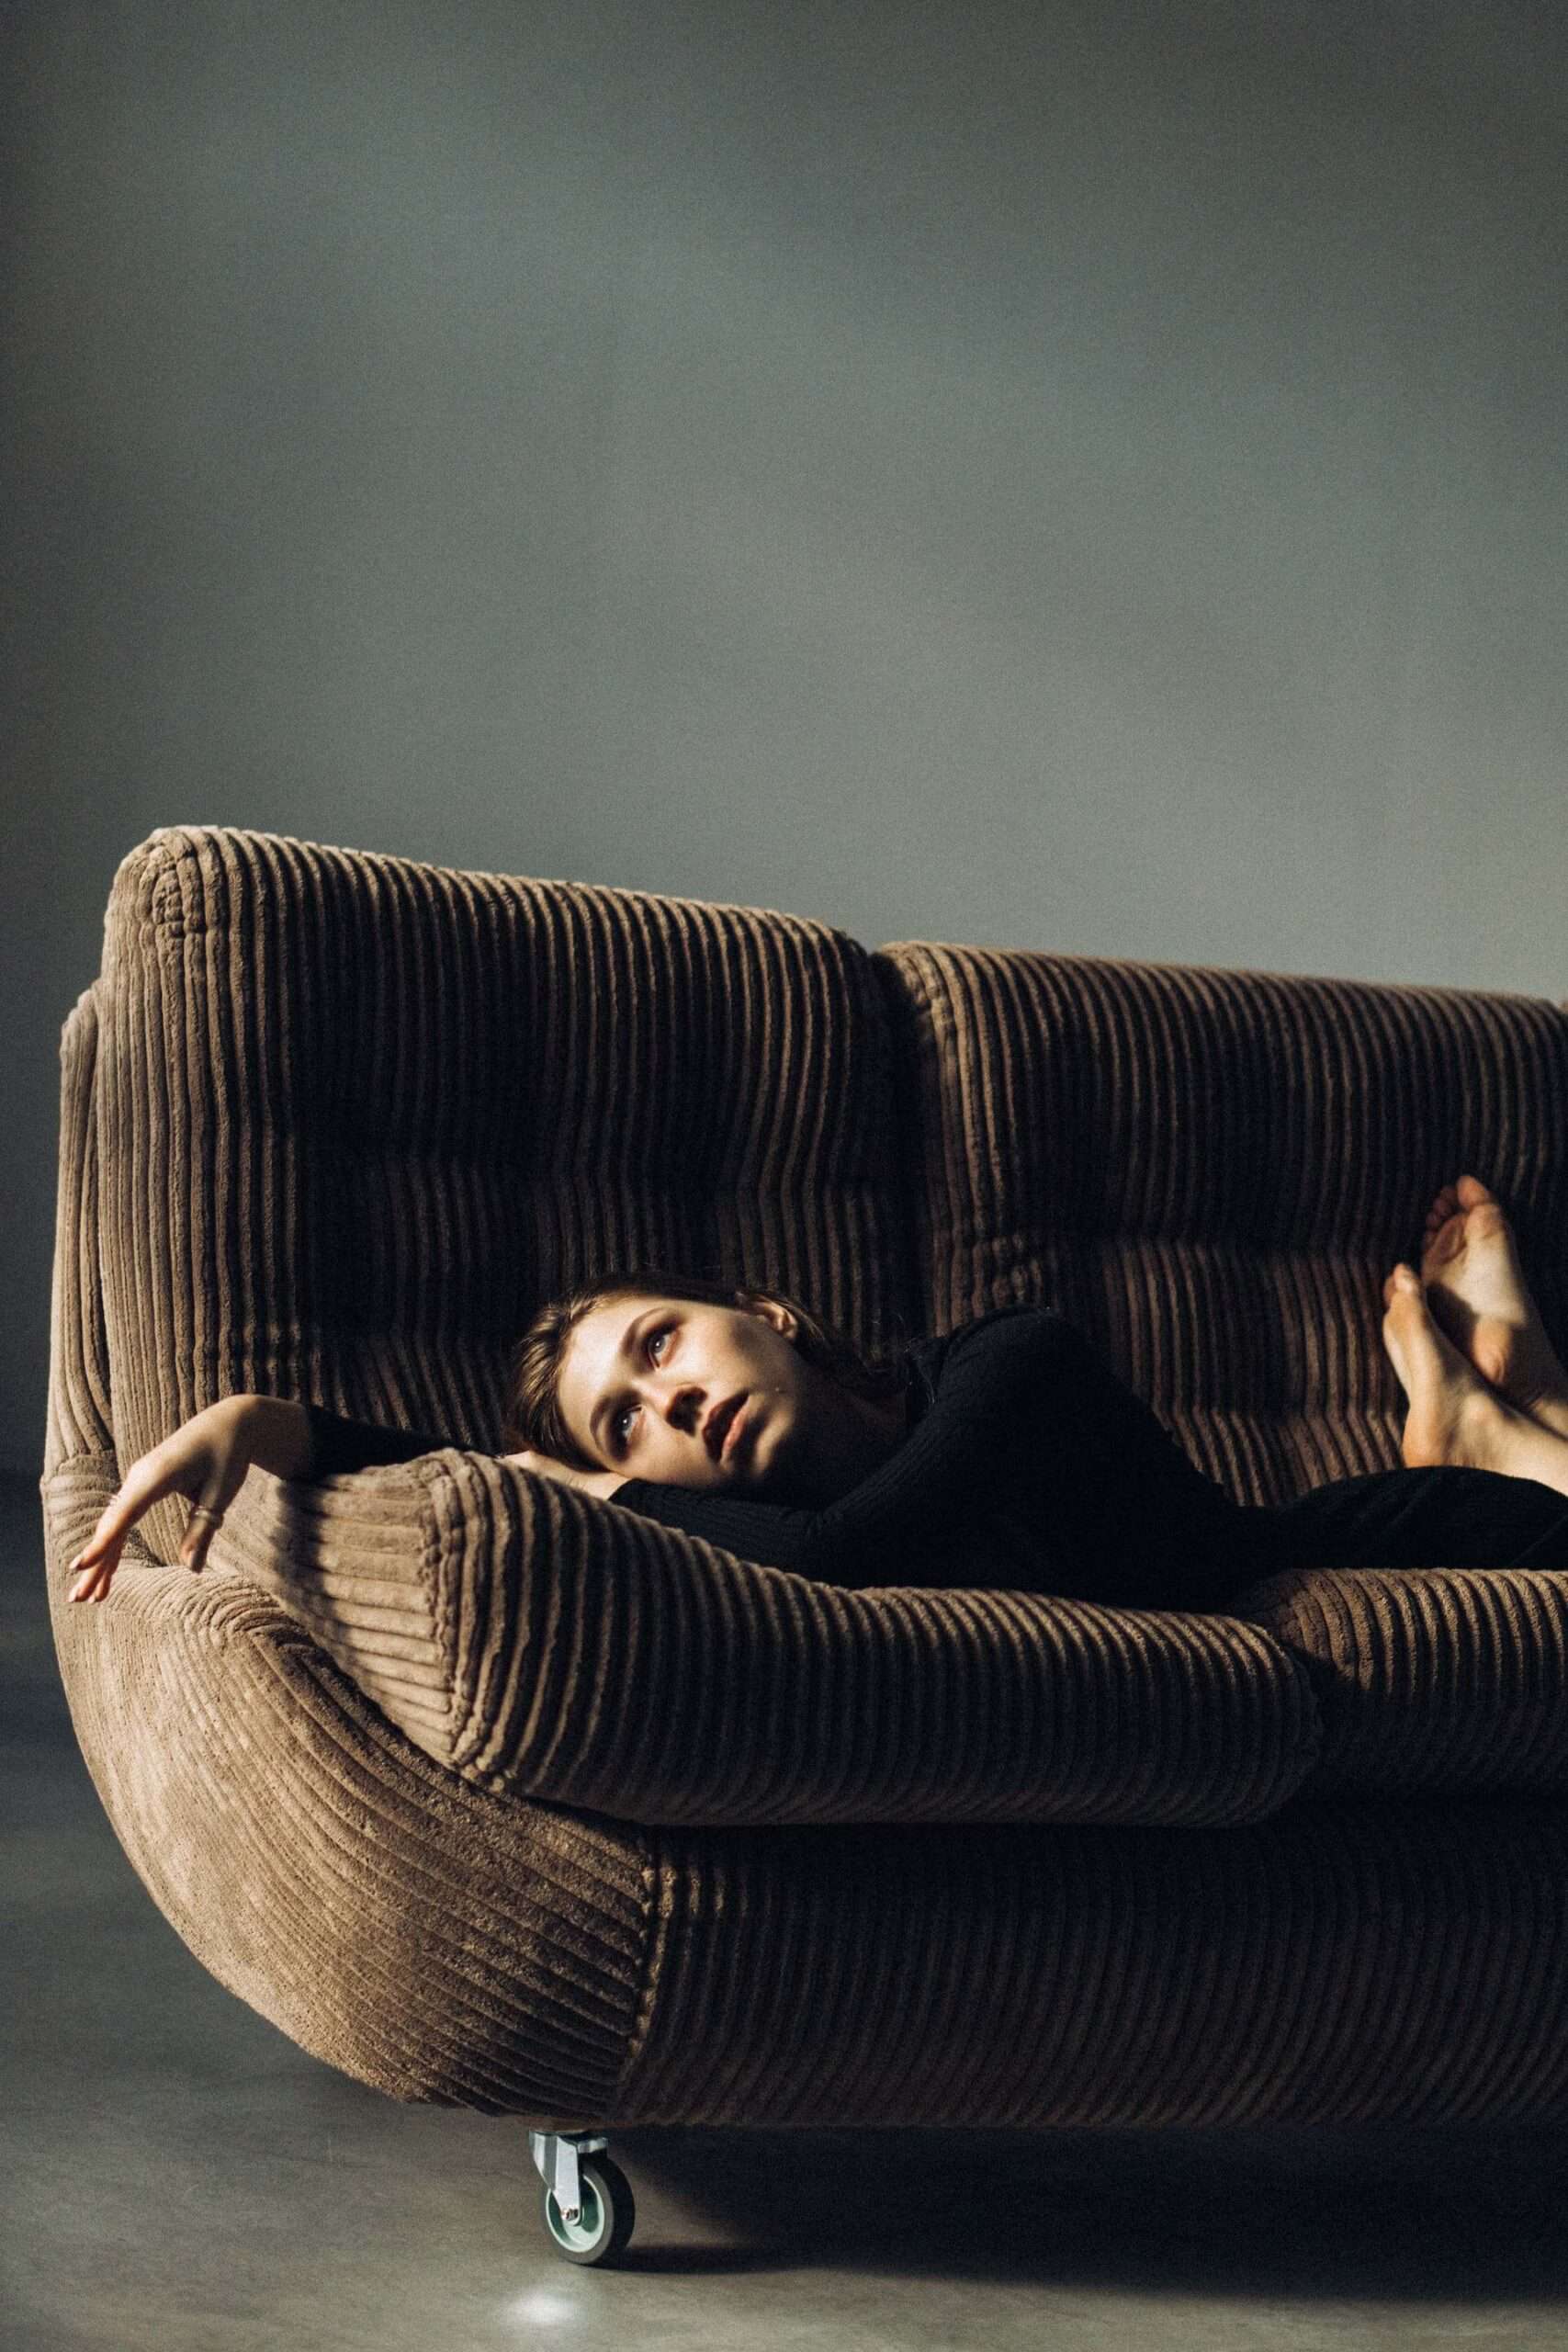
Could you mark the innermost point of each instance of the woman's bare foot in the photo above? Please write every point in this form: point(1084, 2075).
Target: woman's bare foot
point(1478, 1296)
point(1454, 1417)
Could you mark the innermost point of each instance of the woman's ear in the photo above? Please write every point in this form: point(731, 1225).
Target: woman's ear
point(772, 1310)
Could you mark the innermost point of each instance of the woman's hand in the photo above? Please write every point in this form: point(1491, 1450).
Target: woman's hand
point(591, 1482)
point(207, 1459)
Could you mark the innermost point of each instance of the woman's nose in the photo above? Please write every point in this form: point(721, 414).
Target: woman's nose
point(684, 1406)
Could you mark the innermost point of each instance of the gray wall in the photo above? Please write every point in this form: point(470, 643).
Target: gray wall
point(1079, 476)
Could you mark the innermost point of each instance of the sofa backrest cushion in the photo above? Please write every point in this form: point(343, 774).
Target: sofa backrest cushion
point(359, 1117)
point(1212, 1173)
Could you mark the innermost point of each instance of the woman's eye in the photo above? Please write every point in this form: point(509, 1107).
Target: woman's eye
point(615, 1426)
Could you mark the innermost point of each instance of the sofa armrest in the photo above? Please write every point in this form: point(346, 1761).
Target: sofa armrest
point(541, 1642)
point(435, 1943)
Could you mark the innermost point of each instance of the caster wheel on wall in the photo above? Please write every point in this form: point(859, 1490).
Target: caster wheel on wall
point(604, 2222)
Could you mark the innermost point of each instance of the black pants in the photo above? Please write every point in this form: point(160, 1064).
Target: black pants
point(1141, 1525)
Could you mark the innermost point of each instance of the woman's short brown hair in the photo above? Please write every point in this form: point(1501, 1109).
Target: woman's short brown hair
point(534, 1415)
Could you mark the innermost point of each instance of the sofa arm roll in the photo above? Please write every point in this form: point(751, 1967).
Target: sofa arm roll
point(544, 1643)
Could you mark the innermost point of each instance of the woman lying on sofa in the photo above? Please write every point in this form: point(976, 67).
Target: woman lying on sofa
point(1003, 1453)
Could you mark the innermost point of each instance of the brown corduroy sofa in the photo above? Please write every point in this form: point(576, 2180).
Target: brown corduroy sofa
point(492, 1793)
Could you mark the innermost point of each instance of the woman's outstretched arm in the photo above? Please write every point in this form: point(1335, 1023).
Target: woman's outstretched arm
point(336, 1443)
point(209, 1458)
point(207, 1461)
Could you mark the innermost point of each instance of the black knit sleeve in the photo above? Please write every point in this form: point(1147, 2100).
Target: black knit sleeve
point(773, 1534)
point(1033, 1468)
point(338, 1443)
point(918, 1518)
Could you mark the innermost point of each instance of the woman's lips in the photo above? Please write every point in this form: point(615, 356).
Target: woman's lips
point(735, 1420)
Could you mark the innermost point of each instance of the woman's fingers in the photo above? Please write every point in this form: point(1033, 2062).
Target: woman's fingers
point(98, 1560)
point(99, 1556)
point(155, 1475)
point(94, 1579)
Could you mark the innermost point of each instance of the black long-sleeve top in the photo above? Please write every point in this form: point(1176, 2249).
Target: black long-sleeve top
point(1027, 1463)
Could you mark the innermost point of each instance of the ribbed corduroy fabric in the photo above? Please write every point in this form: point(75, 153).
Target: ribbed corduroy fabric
point(1344, 1962)
point(332, 1123)
point(79, 1419)
point(544, 1643)
point(1448, 1678)
point(1211, 1172)
point(434, 1941)
point(382, 1110)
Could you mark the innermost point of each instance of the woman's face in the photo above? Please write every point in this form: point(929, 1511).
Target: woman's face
point(692, 1394)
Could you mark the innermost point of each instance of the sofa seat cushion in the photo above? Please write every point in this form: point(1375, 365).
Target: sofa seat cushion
point(1429, 1678)
point(546, 1645)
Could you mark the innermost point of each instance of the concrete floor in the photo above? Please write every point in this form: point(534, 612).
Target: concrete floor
point(178, 2174)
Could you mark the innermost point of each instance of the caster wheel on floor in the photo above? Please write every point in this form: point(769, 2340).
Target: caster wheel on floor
point(604, 2222)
